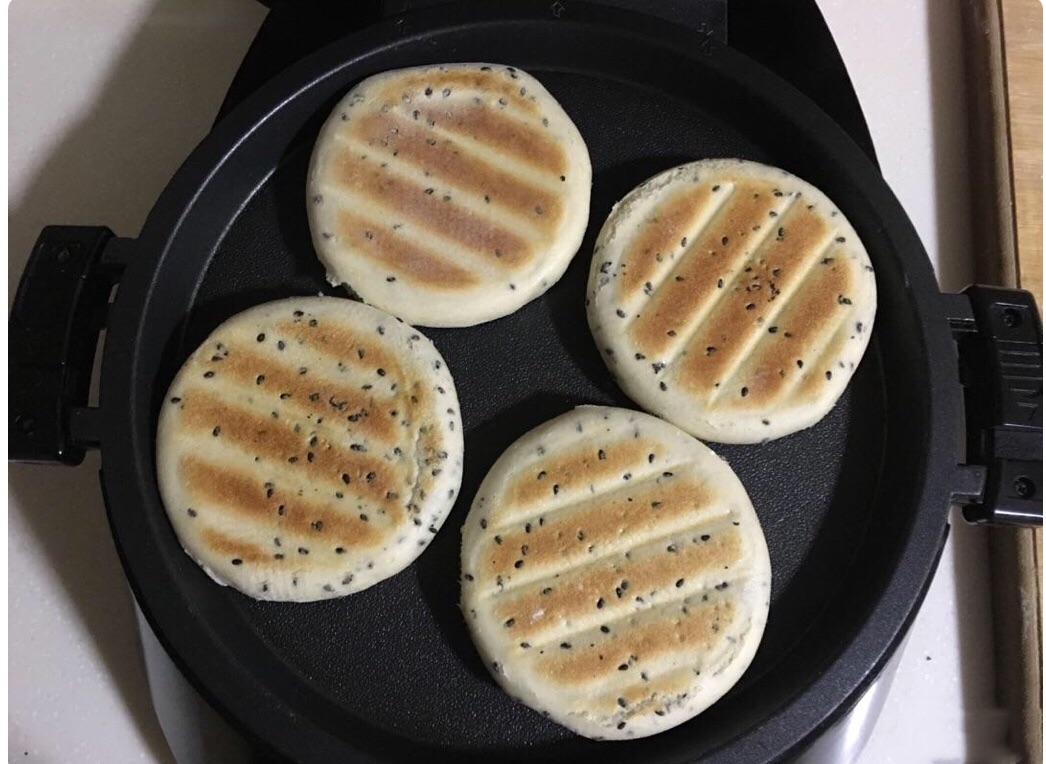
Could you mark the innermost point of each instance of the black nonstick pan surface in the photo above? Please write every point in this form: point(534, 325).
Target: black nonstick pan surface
point(854, 509)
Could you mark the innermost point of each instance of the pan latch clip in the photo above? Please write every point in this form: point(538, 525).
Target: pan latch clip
point(999, 336)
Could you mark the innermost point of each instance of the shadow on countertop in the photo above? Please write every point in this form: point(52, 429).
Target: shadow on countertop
point(157, 101)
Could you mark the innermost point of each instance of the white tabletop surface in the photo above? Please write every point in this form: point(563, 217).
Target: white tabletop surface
point(108, 97)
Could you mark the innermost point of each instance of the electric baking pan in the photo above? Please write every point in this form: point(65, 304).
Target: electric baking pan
point(854, 509)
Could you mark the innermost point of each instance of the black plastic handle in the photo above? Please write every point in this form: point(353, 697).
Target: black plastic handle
point(59, 309)
point(999, 337)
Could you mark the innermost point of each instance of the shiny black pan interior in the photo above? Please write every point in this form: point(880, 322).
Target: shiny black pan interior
point(854, 508)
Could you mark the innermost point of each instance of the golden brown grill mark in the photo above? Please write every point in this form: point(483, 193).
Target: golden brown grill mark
point(274, 440)
point(741, 313)
point(471, 81)
point(407, 259)
point(667, 686)
point(450, 161)
point(497, 130)
point(807, 318)
point(695, 630)
point(563, 473)
point(340, 342)
point(694, 282)
point(577, 595)
point(249, 498)
point(410, 201)
point(659, 234)
point(567, 538)
point(270, 380)
point(233, 548)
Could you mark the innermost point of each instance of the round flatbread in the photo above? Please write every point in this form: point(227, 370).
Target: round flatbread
point(614, 574)
point(309, 448)
point(448, 195)
point(731, 298)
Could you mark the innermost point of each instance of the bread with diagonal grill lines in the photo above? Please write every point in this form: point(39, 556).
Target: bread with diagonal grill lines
point(731, 298)
point(448, 195)
point(614, 573)
point(309, 448)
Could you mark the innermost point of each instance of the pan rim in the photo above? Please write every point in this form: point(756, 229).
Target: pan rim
point(127, 464)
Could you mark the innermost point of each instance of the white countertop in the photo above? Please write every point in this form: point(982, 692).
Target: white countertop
point(108, 97)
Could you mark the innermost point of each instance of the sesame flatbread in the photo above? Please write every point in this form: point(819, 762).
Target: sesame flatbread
point(614, 573)
point(448, 195)
point(731, 298)
point(309, 448)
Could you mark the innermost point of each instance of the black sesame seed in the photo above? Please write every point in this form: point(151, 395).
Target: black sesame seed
point(623, 667)
point(799, 362)
point(744, 391)
point(260, 338)
point(216, 431)
point(208, 374)
point(565, 645)
point(509, 623)
point(605, 629)
point(191, 512)
point(828, 375)
point(302, 550)
point(600, 602)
